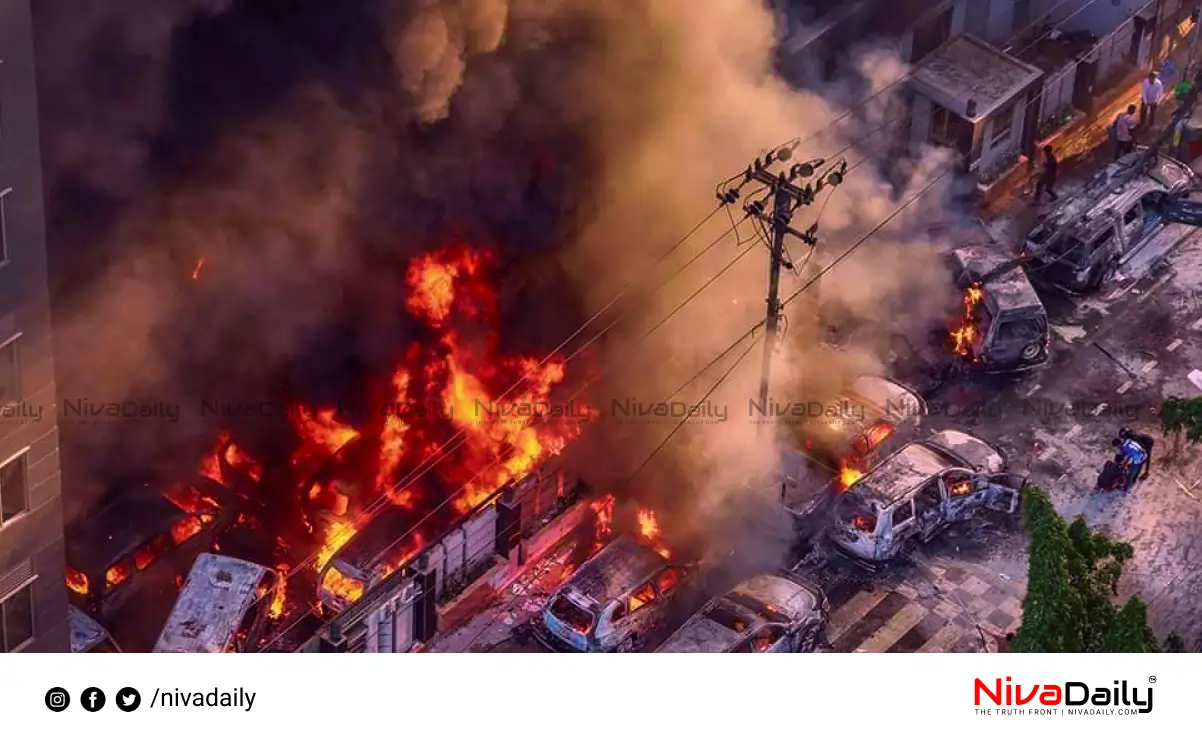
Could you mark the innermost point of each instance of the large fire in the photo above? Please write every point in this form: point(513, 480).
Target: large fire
point(965, 332)
point(493, 410)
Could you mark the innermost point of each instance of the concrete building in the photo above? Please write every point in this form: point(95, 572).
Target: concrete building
point(33, 597)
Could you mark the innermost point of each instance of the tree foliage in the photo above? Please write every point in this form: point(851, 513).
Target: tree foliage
point(1071, 585)
point(1182, 416)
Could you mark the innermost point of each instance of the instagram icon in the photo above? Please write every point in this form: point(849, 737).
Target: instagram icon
point(57, 699)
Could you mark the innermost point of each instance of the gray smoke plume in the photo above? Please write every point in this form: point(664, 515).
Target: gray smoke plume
point(303, 149)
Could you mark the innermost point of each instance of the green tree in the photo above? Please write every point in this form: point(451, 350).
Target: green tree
point(1129, 631)
point(1072, 581)
point(1181, 417)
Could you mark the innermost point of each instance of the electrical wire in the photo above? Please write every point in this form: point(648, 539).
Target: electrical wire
point(384, 499)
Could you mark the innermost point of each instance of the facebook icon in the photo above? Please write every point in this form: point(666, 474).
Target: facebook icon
point(92, 699)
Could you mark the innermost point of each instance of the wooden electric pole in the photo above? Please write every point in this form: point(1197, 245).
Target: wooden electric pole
point(787, 196)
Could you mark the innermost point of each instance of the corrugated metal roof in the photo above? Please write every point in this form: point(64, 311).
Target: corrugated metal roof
point(211, 605)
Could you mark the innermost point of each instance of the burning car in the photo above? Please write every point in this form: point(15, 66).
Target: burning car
point(766, 614)
point(869, 419)
point(1004, 328)
point(362, 559)
point(225, 605)
point(918, 492)
point(613, 601)
point(1122, 223)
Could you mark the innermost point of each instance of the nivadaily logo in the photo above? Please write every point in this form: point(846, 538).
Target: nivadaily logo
point(1071, 697)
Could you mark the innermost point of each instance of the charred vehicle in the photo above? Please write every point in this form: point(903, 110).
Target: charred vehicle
point(1005, 327)
point(224, 606)
point(766, 614)
point(613, 601)
point(1122, 224)
point(88, 635)
point(872, 418)
point(919, 491)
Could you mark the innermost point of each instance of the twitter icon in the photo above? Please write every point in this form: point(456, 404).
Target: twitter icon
point(128, 699)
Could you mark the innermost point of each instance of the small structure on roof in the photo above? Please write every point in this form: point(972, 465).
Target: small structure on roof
point(972, 97)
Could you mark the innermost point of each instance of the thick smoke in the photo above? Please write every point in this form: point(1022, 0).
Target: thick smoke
point(305, 148)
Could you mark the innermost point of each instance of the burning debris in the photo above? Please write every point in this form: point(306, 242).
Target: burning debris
point(650, 533)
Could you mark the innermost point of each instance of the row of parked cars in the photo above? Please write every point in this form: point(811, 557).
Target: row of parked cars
point(909, 489)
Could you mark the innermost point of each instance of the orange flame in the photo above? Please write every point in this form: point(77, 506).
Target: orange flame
point(186, 528)
point(339, 533)
point(966, 332)
point(210, 464)
point(243, 462)
point(433, 281)
point(77, 581)
point(190, 500)
point(116, 575)
point(849, 476)
point(279, 593)
point(321, 431)
point(650, 532)
point(393, 435)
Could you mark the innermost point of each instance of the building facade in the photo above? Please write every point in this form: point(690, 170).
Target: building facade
point(33, 597)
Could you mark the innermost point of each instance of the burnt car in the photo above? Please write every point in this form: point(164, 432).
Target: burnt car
point(1117, 227)
point(613, 601)
point(766, 614)
point(919, 491)
point(1005, 327)
point(870, 419)
point(88, 635)
point(224, 606)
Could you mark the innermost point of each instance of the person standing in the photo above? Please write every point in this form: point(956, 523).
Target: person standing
point(1124, 132)
point(1047, 179)
point(1149, 98)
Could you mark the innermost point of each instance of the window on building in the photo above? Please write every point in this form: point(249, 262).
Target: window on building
point(1022, 15)
point(5, 256)
point(10, 374)
point(930, 35)
point(16, 619)
point(950, 130)
point(14, 489)
point(1003, 126)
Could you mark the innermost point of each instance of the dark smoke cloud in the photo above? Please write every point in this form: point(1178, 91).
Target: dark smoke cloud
point(305, 148)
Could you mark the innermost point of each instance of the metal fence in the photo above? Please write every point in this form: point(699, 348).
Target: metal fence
point(400, 612)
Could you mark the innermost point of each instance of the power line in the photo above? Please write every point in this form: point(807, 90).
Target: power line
point(459, 436)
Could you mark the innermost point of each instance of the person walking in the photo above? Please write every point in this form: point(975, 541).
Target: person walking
point(1124, 132)
point(1047, 179)
point(1149, 98)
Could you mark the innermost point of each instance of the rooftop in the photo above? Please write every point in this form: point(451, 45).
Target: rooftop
point(967, 68)
point(210, 605)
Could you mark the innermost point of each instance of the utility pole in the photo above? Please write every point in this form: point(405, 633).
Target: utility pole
point(786, 197)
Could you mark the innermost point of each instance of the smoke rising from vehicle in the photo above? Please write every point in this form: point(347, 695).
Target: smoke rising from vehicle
point(689, 101)
point(303, 149)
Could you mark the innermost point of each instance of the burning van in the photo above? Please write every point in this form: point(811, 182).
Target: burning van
point(225, 605)
point(766, 614)
point(140, 540)
point(613, 601)
point(918, 492)
point(1004, 326)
